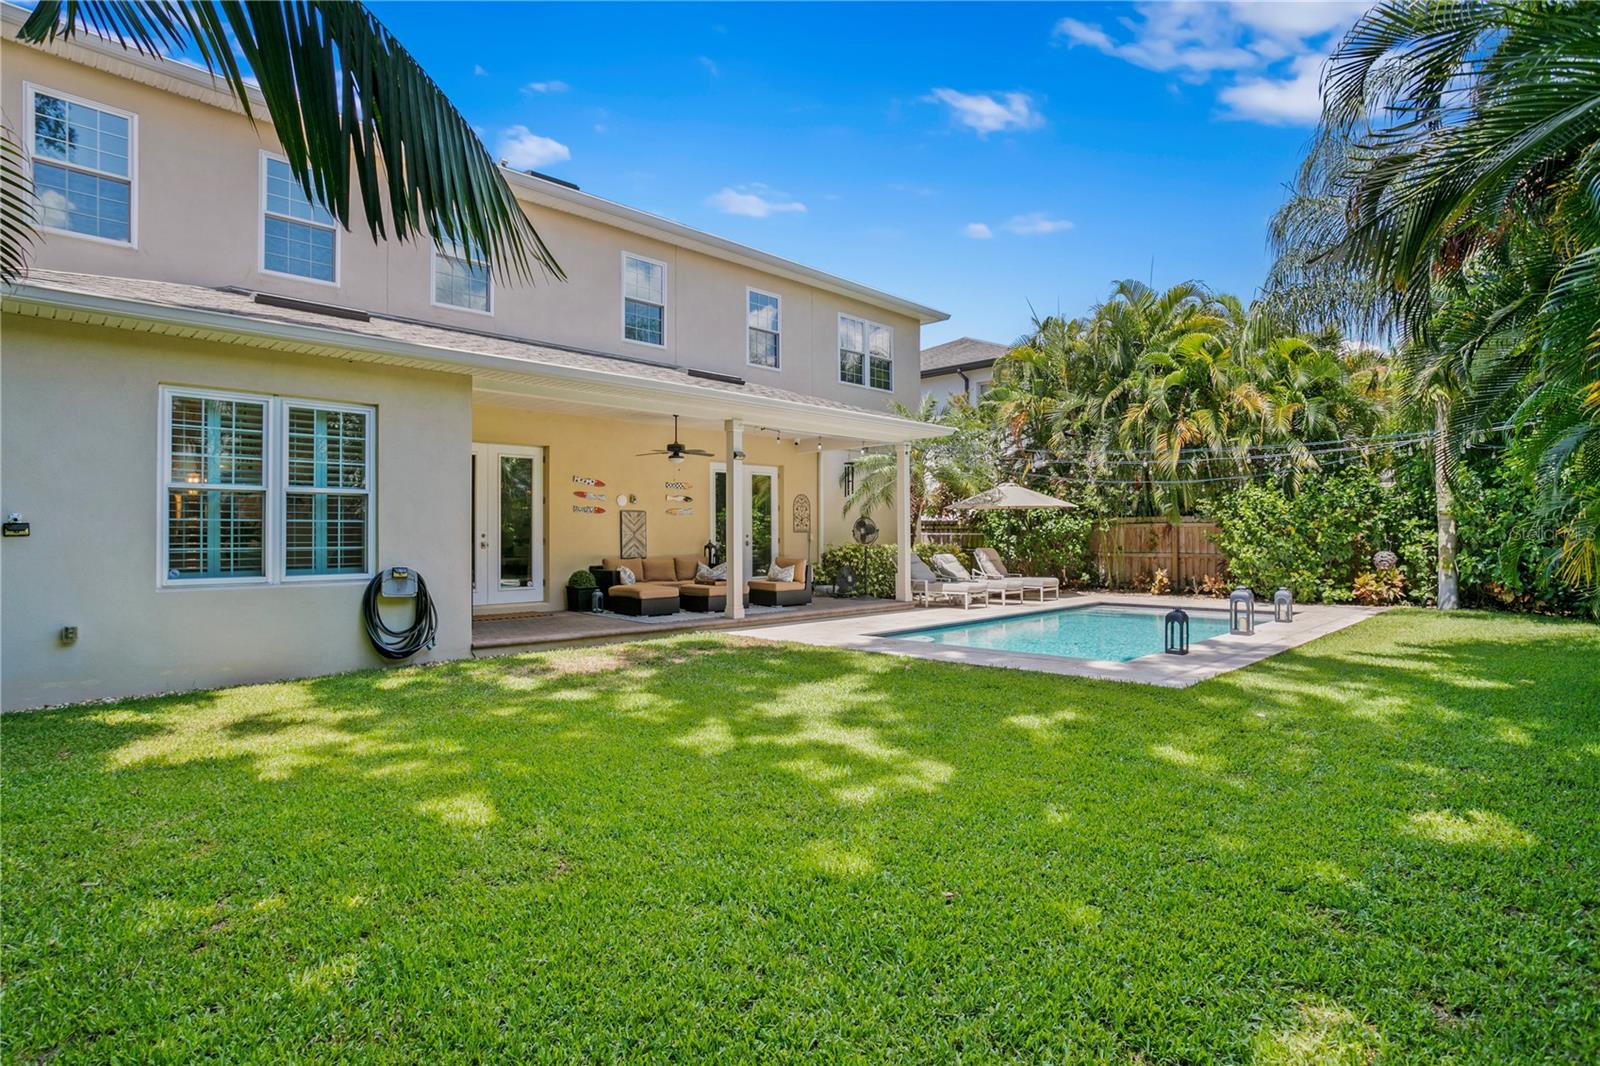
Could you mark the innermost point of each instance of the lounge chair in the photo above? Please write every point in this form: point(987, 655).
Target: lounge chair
point(928, 587)
point(1005, 587)
point(988, 561)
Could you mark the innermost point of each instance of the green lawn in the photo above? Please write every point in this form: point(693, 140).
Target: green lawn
point(1383, 846)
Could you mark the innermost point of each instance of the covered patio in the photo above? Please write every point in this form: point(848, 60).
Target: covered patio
point(528, 632)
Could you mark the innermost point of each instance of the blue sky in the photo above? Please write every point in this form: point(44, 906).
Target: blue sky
point(979, 158)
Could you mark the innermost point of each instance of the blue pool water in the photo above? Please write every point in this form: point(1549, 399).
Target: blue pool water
point(1110, 634)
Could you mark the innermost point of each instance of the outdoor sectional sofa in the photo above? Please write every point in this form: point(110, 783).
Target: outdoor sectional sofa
point(782, 593)
point(657, 582)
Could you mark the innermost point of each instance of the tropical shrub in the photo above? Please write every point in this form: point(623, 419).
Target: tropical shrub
point(872, 564)
point(1379, 588)
point(1317, 542)
point(1044, 543)
point(1508, 558)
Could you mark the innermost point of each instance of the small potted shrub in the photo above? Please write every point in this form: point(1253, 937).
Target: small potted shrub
point(582, 594)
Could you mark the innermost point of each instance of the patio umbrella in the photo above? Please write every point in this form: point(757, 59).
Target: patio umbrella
point(1008, 497)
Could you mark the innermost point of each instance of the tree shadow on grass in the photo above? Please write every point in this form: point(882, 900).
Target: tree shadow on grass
point(1226, 851)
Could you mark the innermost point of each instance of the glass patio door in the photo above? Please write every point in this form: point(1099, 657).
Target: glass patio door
point(507, 524)
point(760, 540)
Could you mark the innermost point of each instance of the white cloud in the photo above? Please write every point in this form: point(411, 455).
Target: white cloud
point(710, 65)
point(1266, 54)
point(978, 231)
point(546, 87)
point(520, 147)
point(989, 112)
point(1036, 224)
point(754, 201)
point(1296, 100)
point(477, 70)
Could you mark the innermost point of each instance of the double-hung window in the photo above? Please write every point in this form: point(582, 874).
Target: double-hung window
point(298, 238)
point(460, 279)
point(264, 488)
point(83, 165)
point(644, 300)
point(761, 322)
point(866, 353)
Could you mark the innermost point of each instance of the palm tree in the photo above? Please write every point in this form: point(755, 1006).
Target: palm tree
point(943, 469)
point(358, 118)
point(1470, 158)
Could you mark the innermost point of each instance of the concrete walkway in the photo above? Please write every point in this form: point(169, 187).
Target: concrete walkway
point(1206, 658)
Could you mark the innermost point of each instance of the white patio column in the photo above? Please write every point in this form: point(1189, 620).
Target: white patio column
point(819, 513)
point(733, 534)
point(902, 521)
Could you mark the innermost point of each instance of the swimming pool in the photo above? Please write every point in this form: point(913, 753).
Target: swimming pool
point(1107, 633)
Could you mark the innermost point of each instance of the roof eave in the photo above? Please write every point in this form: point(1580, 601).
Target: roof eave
point(867, 426)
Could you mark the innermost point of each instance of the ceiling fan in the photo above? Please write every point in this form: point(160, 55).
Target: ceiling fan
point(676, 451)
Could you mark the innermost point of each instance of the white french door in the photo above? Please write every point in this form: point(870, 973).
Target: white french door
point(759, 542)
point(507, 524)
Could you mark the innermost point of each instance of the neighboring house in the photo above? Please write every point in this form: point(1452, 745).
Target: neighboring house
point(962, 367)
point(222, 414)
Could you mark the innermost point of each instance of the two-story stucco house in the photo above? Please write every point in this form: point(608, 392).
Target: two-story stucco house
point(220, 414)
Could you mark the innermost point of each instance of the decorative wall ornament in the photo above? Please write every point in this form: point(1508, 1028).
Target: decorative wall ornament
point(681, 486)
point(802, 513)
point(678, 497)
point(635, 545)
point(593, 481)
point(585, 494)
point(579, 508)
point(679, 512)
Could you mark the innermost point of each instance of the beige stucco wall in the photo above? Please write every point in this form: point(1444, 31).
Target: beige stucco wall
point(197, 191)
point(78, 457)
point(607, 449)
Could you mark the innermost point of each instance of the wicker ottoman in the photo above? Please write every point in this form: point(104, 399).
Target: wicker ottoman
point(707, 598)
point(642, 599)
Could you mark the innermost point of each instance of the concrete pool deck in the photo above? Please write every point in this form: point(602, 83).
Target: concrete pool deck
point(1206, 658)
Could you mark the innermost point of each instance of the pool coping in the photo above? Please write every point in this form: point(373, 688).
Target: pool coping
point(1206, 659)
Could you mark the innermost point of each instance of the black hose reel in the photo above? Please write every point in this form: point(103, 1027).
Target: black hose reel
point(399, 582)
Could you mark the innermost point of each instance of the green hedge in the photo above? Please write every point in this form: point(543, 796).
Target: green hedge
point(1044, 543)
point(1317, 541)
point(873, 565)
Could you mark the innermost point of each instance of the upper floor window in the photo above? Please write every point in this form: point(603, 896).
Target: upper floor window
point(866, 353)
point(298, 237)
point(762, 325)
point(644, 300)
point(82, 166)
point(460, 279)
point(261, 488)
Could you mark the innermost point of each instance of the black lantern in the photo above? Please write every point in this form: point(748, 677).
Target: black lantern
point(1177, 642)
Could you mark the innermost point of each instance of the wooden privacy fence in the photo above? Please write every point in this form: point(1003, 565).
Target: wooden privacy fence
point(1131, 549)
point(954, 531)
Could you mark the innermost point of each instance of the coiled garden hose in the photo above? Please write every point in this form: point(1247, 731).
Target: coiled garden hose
point(399, 643)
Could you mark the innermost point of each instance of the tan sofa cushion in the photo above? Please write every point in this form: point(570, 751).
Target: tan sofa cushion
point(685, 566)
point(645, 592)
point(659, 568)
point(777, 586)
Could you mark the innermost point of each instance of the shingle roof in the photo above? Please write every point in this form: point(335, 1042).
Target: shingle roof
point(241, 304)
point(964, 352)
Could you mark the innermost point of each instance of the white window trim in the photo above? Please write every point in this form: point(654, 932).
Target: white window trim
point(433, 283)
point(748, 292)
point(622, 302)
point(866, 356)
point(275, 487)
point(261, 233)
point(32, 89)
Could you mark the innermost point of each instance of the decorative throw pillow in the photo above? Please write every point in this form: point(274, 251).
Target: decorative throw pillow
point(704, 573)
point(626, 575)
point(780, 573)
point(987, 566)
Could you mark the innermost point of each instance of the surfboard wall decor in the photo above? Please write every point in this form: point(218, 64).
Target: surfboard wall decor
point(591, 481)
